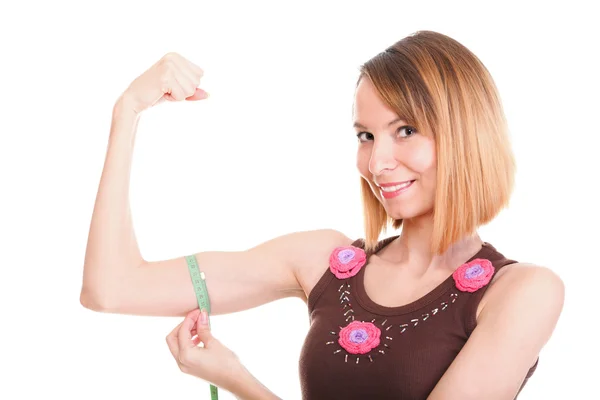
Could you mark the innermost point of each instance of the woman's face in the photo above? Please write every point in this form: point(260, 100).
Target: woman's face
point(398, 162)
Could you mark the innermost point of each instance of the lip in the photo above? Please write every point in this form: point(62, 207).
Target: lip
point(393, 183)
point(389, 195)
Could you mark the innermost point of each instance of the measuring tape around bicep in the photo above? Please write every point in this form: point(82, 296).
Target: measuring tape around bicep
point(199, 283)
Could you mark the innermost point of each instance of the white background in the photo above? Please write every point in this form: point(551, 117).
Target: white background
point(272, 151)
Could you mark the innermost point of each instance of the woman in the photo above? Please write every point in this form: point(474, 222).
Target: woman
point(409, 316)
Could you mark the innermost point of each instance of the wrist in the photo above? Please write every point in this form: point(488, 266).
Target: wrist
point(241, 377)
point(124, 119)
point(247, 387)
point(125, 107)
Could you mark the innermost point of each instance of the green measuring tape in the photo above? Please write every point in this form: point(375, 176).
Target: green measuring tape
point(199, 282)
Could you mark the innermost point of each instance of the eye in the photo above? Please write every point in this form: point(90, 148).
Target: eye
point(404, 132)
point(367, 136)
point(409, 130)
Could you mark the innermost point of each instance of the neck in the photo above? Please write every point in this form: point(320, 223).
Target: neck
point(412, 247)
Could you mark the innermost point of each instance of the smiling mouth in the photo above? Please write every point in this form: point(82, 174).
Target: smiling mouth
point(395, 188)
point(390, 191)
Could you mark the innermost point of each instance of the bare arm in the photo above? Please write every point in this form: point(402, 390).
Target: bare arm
point(235, 281)
point(517, 320)
point(112, 249)
point(117, 279)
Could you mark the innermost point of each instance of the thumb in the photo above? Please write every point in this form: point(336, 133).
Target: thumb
point(198, 95)
point(203, 329)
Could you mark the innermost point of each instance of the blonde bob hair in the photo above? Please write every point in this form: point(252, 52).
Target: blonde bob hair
point(437, 85)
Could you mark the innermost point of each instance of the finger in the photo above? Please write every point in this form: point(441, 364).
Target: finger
point(203, 329)
point(184, 64)
point(177, 92)
point(196, 341)
point(172, 342)
point(187, 83)
point(184, 334)
point(173, 87)
point(199, 95)
point(190, 76)
point(193, 74)
point(195, 69)
point(170, 92)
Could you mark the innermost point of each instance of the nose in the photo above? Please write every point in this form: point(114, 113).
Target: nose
point(382, 158)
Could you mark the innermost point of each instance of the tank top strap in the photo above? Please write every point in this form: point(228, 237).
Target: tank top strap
point(328, 278)
point(499, 261)
point(360, 243)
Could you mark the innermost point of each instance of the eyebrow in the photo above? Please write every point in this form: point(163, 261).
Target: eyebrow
point(361, 126)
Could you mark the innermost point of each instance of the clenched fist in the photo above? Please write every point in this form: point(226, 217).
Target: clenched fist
point(172, 78)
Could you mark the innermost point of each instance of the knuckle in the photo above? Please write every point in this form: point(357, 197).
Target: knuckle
point(165, 70)
point(197, 72)
point(165, 79)
point(167, 63)
point(170, 56)
point(165, 84)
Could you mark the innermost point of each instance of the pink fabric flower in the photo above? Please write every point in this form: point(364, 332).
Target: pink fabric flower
point(473, 275)
point(359, 337)
point(346, 261)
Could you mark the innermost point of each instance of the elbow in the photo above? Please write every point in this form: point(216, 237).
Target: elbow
point(100, 292)
point(89, 302)
point(95, 302)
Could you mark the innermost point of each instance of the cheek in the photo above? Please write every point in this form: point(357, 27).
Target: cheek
point(423, 159)
point(362, 163)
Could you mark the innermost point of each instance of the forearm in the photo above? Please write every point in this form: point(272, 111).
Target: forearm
point(112, 248)
point(247, 387)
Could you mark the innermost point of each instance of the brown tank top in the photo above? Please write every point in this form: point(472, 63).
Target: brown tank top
point(417, 341)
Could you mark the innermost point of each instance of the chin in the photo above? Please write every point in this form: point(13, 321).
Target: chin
point(402, 215)
point(407, 208)
point(408, 211)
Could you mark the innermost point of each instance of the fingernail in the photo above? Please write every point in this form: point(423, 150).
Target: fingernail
point(203, 317)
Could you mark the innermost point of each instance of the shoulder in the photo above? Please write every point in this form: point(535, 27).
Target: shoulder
point(315, 244)
point(312, 250)
point(524, 289)
point(301, 247)
point(527, 278)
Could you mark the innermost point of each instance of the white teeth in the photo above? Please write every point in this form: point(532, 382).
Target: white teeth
point(395, 188)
